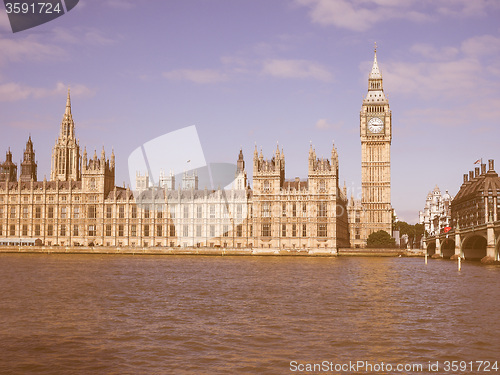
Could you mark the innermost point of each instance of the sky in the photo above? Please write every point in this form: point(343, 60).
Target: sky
point(258, 72)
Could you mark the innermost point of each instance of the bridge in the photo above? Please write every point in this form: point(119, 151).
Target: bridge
point(474, 242)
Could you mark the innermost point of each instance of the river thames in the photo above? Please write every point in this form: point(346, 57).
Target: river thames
point(118, 314)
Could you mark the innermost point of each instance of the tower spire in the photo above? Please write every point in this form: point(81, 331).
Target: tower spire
point(375, 83)
point(68, 105)
point(28, 165)
point(66, 152)
point(375, 73)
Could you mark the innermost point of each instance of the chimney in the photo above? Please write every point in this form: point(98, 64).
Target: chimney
point(491, 164)
point(477, 172)
point(471, 175)
point(483, 168)
point(465, 178)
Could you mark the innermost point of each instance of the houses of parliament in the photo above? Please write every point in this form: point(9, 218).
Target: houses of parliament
point(82, 206)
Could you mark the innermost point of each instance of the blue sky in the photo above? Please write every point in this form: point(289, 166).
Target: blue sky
point(259, 72)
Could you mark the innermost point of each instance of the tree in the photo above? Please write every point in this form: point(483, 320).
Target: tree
point(380, 239)
point(413, 231)
point(419, 232)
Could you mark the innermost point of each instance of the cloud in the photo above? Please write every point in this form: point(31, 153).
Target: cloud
point(359, 15)
point(11, 91)
point(466, 72)
point(52, 47)
point(323, 124)
point(79, 35)
point(430, 80)
point(28, 49)
point(32, 124)
point(459, 84)
point(201, 76)
point(362, 15)
point(120, 4)
point(296, 69)
point(484, 45)
point(465, 8)
point(433, 53)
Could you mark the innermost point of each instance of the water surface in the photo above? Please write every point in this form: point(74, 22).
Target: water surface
point(114, 314)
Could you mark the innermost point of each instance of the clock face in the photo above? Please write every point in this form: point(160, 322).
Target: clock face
point(375, 125)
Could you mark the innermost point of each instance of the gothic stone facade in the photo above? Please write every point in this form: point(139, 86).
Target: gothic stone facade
point(298, 214)
point(81, 205)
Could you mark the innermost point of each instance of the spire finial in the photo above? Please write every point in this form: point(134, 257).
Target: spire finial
point(375, 72)
point(68, 104)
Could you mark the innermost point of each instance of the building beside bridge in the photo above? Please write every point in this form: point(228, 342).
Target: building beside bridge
point(475, 223)
point(437, 211)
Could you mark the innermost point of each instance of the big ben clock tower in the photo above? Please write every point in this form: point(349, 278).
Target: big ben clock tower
point(376, 134)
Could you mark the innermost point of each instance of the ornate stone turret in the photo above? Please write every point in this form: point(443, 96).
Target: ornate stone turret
point(273, 168)
point(85, 156)
point(167, 182)
point(28, 165)
point(190, 181)
point(8, 170)
point(112, 158)
point(240, 164)
point(269, 174)
point(335, 159)
point(322, 175)
point(240, 181)
point(66, 152)
point(98, 173)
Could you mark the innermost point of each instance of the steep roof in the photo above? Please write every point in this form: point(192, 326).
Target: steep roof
point(483, 183)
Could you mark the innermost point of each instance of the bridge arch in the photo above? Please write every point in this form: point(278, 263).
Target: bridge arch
point(431, 248)
point(474, 247)
point(497, 248)
point(448, 248)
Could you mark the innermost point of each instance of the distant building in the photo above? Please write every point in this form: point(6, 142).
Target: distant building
point(437, 212)
point(477, 202)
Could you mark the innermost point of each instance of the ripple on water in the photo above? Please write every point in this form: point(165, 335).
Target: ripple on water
point(237, 315)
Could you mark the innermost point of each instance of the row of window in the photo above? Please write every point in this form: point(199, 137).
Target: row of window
point(147, 230)
point(322, 209)
point(322, 185)
point(322, 230)
point(50, 198)
point(92, 212)
point(64, 212)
